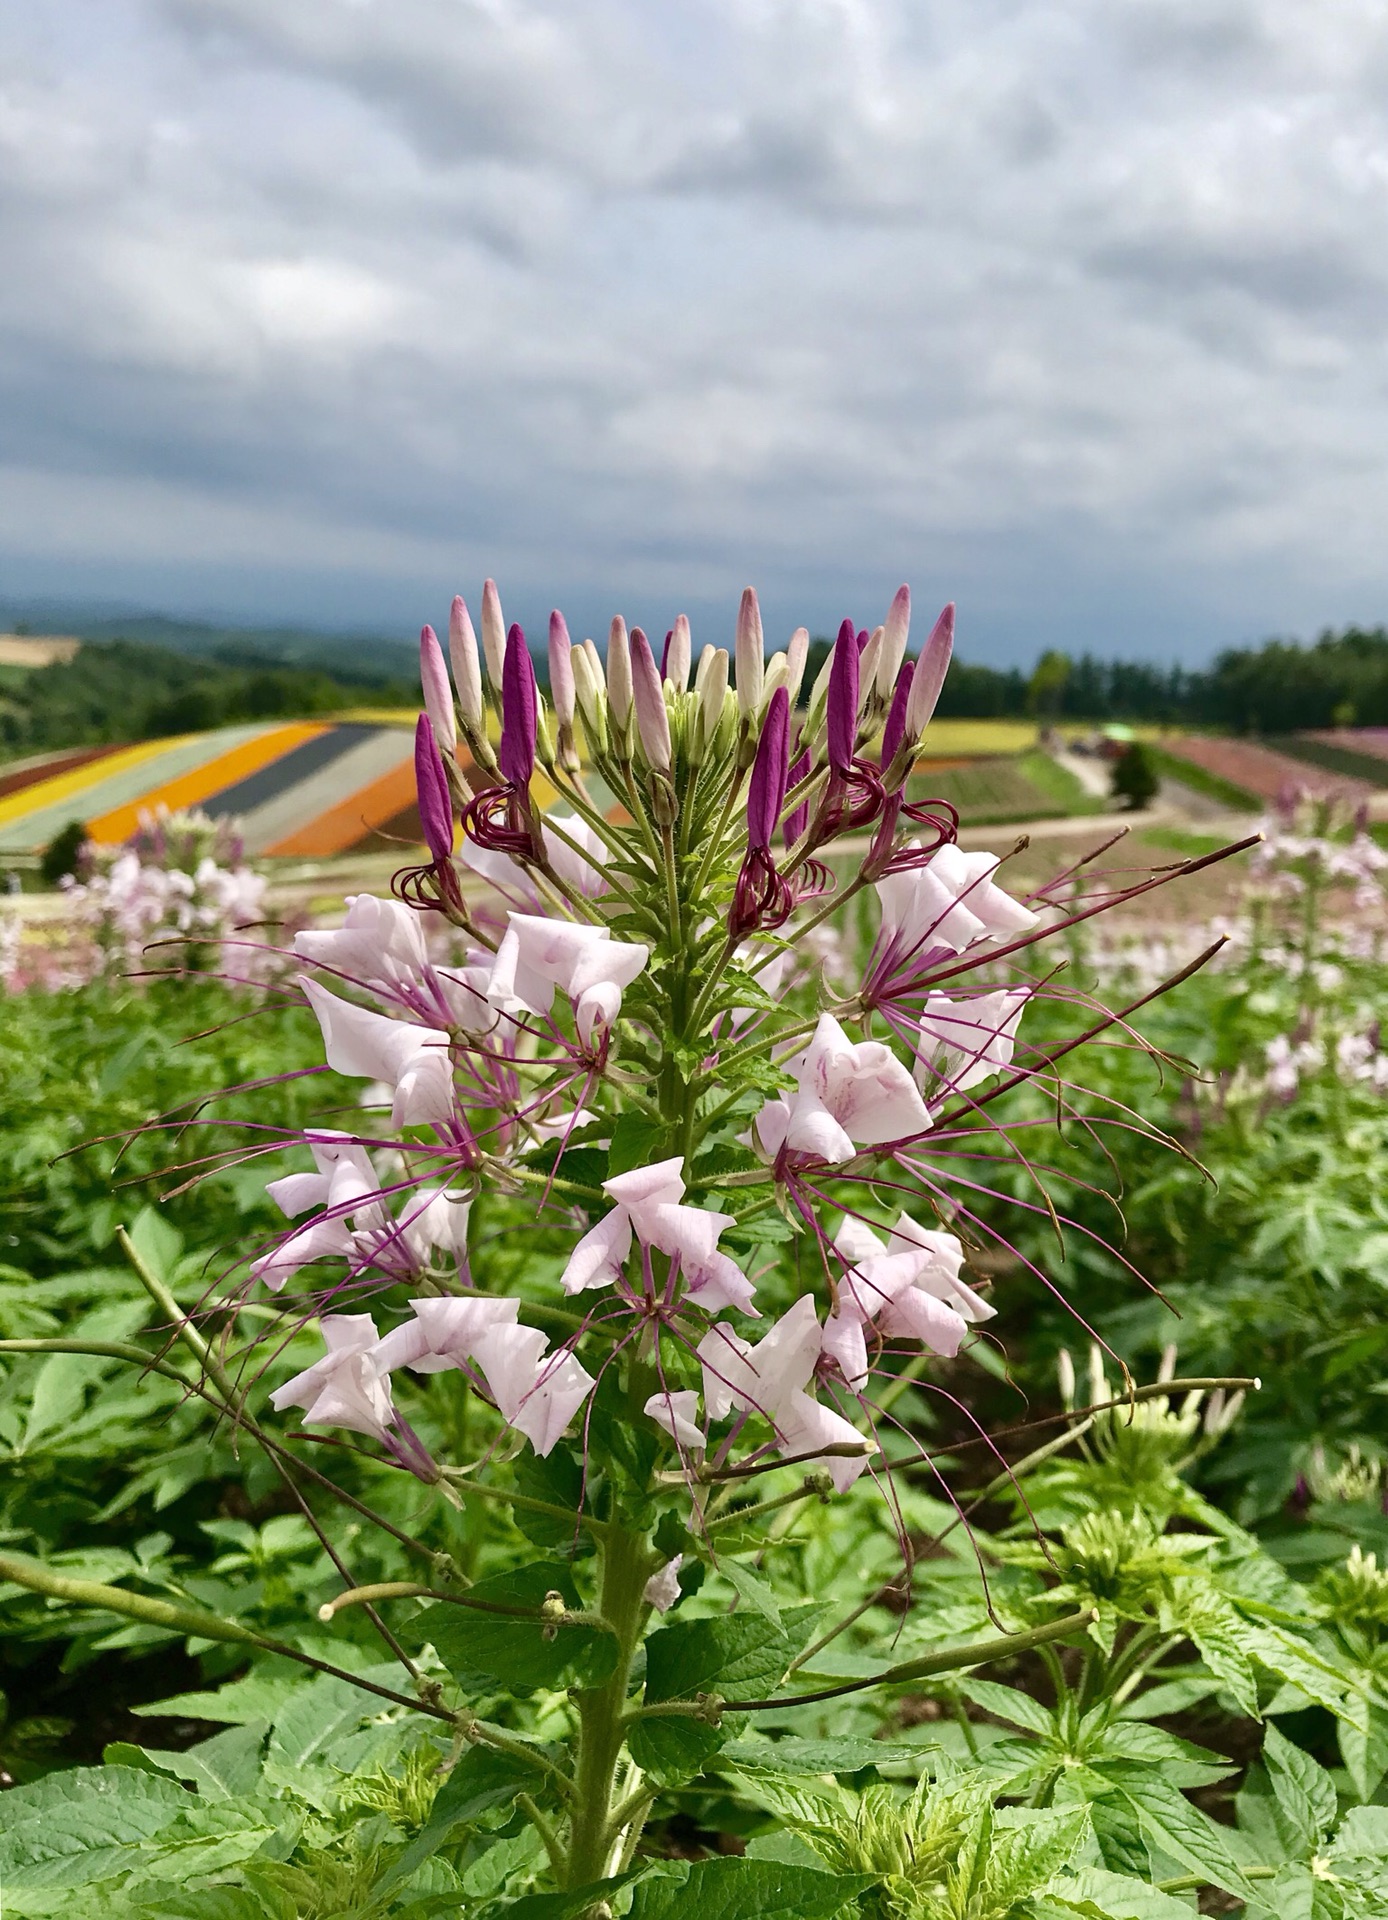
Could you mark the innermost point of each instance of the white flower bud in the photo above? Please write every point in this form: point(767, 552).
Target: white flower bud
point(678, 654)
point(493, 634)
point(796, 653)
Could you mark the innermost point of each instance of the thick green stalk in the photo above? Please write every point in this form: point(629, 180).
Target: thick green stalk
point(601, 1710)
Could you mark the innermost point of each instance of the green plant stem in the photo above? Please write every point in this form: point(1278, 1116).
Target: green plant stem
point(977, 1655)
point(601, 1710)
point(481, 1491)
point(814, 1486)
point(545, 1829)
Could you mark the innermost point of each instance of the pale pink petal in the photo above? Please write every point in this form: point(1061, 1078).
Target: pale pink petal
point(678, 1414)
point(662, 1590)
point(597, 1259)
point(845, 1343)
point(660, 1184)
point(803, 1425)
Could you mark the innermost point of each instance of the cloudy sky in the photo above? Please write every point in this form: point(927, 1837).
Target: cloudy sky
point(1074, 312)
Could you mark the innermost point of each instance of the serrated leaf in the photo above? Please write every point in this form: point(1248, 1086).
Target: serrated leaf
point(485, 1777)
point(740, 1656)
point(1096, 1892)
point(636, 1142)
point(1177, 1827)
point(1031, 1849)
point(70, 1829)
point(314, 1716)
point(1007, 1703)
point(220, 1768)
point(1304, 1791)
point(672, 1748)
point(755, 1592)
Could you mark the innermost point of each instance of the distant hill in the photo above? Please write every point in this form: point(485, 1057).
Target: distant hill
point(121, 689)
point(366, 660)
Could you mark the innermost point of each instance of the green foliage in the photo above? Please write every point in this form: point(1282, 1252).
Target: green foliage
point(1135, 776)
point(124, 690)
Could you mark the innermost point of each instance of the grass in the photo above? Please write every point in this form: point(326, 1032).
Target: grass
point(1060, 786)
point(946, 737)
point(991, 792)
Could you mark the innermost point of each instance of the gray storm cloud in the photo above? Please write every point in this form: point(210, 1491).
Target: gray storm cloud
point(1073, 312)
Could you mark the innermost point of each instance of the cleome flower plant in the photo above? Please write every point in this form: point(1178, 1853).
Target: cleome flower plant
point(684, 1201)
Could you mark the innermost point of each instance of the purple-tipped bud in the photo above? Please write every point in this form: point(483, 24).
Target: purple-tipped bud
point(767, 790)
point(652, 721)
point(896, 630)
point(841, 712)
point(863, 637)
point(868, 658)
point(895, 730)
point(438, 694)
point(519, 712)
point(561, 671)
point(750, 654)
point(431, 785)
point(619, 674)
point(929, 677)
point(493, 634)
point(797, 822)
point(679, 651)
point(467, 672)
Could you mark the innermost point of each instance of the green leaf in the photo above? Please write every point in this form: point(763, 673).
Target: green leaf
point(755, 1592)
point(1304, 1791)
point(71, 1829)
point(484, 1778)
point(672, 1748)
point(636, 1142)
point(1364, 1750)
point(746, 1890)
point(157, 1243)
point(1007, 1703)
point(558, 1478)
point(741, 1656)
point(1116, 1896)
point(257, 1696)
point(516, 1651)
point(316, 1715)
point(1029, 1848)
point(575, 1905)
point(220, 1768)
point(1173, 1824)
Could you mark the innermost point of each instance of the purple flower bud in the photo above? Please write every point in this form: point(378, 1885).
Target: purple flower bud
point(431, 785)
point(652, 721)
point(749, 654)
point(767, 790)
point(863, 637)
point(895, 730)
point(493, 634)
point(467, 673)
point(929, 677)
point(797, 822)
point(841, 713)
point(519, 712)
point(438, 694)
point(561, 672)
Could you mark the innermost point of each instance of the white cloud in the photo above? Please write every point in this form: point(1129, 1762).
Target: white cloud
point(1074, 309)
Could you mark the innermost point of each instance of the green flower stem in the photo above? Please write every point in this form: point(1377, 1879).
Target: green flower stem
point(814, 1486)
point(544, 1828)
point(180, 1325)
point(601, 1710)
point(456, 1477)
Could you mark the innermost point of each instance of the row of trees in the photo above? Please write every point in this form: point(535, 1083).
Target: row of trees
point(1341, 680)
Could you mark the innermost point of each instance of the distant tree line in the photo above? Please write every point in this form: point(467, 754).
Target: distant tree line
point(123, 690)
point(1340, 680)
